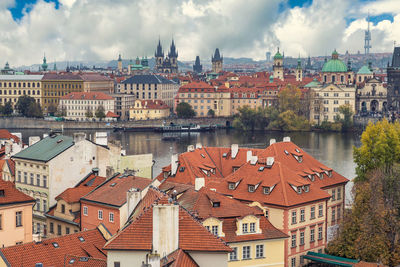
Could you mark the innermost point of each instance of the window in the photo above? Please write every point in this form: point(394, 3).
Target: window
point(1, 222)
point(301, 238)
point(335, 102)
point(294, 217)
point(333, 214)
point(338, 212)
point(19, 176)
point(85, 210)
point(58, 229)
point(67, 230)
point(246, 252)
point(38, 204)
point(25, 177)
point(252, 227)
point(302, 215)
point(312, 235)
point(293, 240)
point(251, 188)
point(44, 180)
point(293, 262)
point(208, 228)
point(111, 216)
point(233, 255)
point(44, 205)
point(231, 186)
point(51, 228)
point(38, 179)
point(18, 218)
point(38, 228)
point(117, 264)
point(320, 210)
point(245, 228)
point(333, 194)
point(31, 178)
point(267, 190)
point(214, 230)
point(62, 208)
point(259, 251)
point(100, 214)
point(312, 213)
point(320, 232)
point(339, 193)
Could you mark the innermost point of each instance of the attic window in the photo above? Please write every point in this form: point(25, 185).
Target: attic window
point(224, 155)
point(55, 244)
point(2, 193)
point(312, 177)
point(59, 141)
point(321, 175)
point(299, 190)
point(202, 155)
point(266, 190)
point(298, 151)
point(212, 171)
point(181, 169)
point(286, 152)
point(71, 261)
point(261, 169)
point(84, 259)
point(231, 186)
point(306, 188)
point(216, 204)
point(298, 158)
point(81, 239)
point(113, 184)
point(251, 188)
point(329, 173)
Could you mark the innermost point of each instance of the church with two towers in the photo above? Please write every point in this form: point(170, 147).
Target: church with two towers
point(169, 64)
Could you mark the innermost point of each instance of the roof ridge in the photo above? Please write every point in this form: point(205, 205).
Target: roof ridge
point(220, 172)
point(281, 178)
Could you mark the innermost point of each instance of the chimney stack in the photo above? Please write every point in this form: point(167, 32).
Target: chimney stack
point(165, 229)
point(234, 150)
point(286, 139)
point(248, 155)
point(272, 141)
point(174, 164)
point(199, 182)
point(133, 197)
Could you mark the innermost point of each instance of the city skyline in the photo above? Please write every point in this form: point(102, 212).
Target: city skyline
point(70, 30)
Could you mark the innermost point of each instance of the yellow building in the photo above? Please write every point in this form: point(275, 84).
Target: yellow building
point(15, 215)
point(14, 86)
point(57, 85)
point(240, 97)
point(148, 110)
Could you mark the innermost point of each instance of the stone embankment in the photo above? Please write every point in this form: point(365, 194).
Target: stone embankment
point(30, 123)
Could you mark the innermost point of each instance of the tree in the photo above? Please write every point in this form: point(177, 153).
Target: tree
point(346, 118)
point(28, 107)
point(211, 113)
point(100, 112)
point(62, 111)
point(245, 119)
point(289, 99)
point(52, 109)
point(185, 110)
point(89, 113)
point(8, 108)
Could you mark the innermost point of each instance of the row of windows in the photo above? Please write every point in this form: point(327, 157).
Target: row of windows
point(302, 236)
point(246, 253)
point(62, 86)
point(59, 229)
point(20, 92)
point(336, 213)
point(326, 102)
point(31, 165)
point(141, 86)
point(99, 214)
point(13, 100)
point(38, 180)
point(337, 196)
point(38, 205)
point(312, 214)
point(19, 84)
point(18, 220)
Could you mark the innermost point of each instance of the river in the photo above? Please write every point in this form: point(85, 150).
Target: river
point(335, 150)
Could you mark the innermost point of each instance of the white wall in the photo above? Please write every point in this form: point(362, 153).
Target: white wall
point(219, 259)
point(126, 258)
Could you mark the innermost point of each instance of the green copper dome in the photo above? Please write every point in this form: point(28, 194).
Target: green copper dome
point(364, 70)
point(278, 55)
point(334, 64)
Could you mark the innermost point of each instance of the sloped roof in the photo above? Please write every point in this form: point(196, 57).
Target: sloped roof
point(76, 261)
point(6, 135)
point(11, 195)
point(47, 148)
point(61, 76)
point(48, 254)
point(364, 70)
point(178, 258)
point(147, 78)
point(111, 114)
point(87, 96)
point(95, 77)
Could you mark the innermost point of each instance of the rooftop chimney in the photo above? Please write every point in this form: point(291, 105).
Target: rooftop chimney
point(253, 160)
point(248, 155)
point(234, 150)
point(95, 171)
point(286, 139)
point(174, 164)
point(190, 148)
point(272, 141)
point(133, 197)
point(101, 138)
point(199, 182)
point(270, 161)
point(33, 140)
point(165, 229)
point(198, 145)
point(79, 137)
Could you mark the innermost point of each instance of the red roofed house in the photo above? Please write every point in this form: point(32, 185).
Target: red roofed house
point(83, 106)
point(79, 249)
point(108, 203)
point(244, 228)
point(15, 215)
point(203, 98)
point(10, 144)
point(65, 217)
point(7, 170)
point(300, 195)
point(149, 109)
point(166, 234)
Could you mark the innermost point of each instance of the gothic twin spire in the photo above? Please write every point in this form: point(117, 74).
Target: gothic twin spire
point(172, 51)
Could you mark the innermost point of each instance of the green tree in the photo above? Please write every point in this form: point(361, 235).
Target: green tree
point(52, 109)
point(89, 113)
point(246, 119)
point(185, 110)
point(211, 113)
point(345, 117)
point(28, 107)
point(100, 112)
point(289, 99)
point(8, 108)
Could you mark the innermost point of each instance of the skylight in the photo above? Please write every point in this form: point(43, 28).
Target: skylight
point(55, 244)
point(81, 239)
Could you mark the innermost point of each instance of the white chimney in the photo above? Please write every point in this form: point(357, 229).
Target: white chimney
point(174, 164)
point(234, 150)
point(33, 140)
point(286, 139)
point(248, 155)
point(8, 148)
point(199, 182)
point(253, 160)
point(272, 141)
point(270, 161)
point(79, 137)
point(198, 145)
point(133, 197)
point(19, 135)
point(101, 138)
point(45, 135)
point(165, 229)
point(190, 148)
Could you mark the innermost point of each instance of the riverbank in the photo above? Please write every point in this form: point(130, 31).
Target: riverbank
point(147, 125)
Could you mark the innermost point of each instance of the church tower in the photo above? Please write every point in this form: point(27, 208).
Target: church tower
point(299, 71)
point(119, 63)
point(197, 67)
point(159, 56)
point(173, 58)
point(278, 66)
point(217, 61)
point(44, 65)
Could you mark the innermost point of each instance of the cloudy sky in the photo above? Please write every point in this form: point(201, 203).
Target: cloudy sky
point(100, 29)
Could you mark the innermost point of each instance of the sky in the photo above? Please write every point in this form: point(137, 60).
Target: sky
point(69, 30)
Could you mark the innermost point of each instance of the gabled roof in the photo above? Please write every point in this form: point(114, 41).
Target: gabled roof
point(76, 261)
point(11, 195)
point(196, 86)
point(113, 191)
point(178, 258)
point(6, 135)
point(47, 148)
point(147, 78)
point(95, 77)
point(53, 251)
point(111, 114)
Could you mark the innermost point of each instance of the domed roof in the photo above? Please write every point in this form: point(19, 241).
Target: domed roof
point(364, 70)
point(278, 55)
point(334, 64)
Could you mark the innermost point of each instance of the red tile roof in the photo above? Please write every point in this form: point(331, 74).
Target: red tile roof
point(153, 104)
point(46, 253)
point(61, 76)
point(87, 96)
point(84, 261)
point(111, 114)
point(95, 77)
point(178, 258)
point(196, 86)
point(5, 134)
point(10, 195)
point(113, 191)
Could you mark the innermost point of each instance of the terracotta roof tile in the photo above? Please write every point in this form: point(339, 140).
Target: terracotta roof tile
point(178, 258)
point(6, 135)
point(76, 261)
point(10, 195)
point(111, 114)
point(87, 96)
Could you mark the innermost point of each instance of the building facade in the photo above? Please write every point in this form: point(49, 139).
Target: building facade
point(217, 61)
point(278, 66)
point(149, 110)
point(336, 72)
point(123, 104)
point(169, 64)
point(371, 96)
point(393, 76)
point(95, 82)
point(14, 86)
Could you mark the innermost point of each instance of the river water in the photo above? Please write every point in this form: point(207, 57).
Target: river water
point(335, 150)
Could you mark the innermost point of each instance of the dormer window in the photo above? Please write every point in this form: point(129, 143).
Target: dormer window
point(306, 188)
point(251, 188)
point(299, 190)
point(202, 155)
point(286, 152)
point(298, 158)
point(329, 173)
point(224, 155)
point(266, 190)
point(297, 150)
point(231, 186)
point(245, 228)
point(312, 177)
point(321, 175)
point(212, 171)
point(261, 169)
point(181, 169)
point(216, 204)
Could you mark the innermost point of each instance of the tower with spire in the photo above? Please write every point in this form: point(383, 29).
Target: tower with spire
point(169, 64)
point(197, 67)
point(173, 57)
point(119, 63)
point(299, 71)
point(278, 66)
point(217, 61)
point(367, 39)
point(44, 64)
